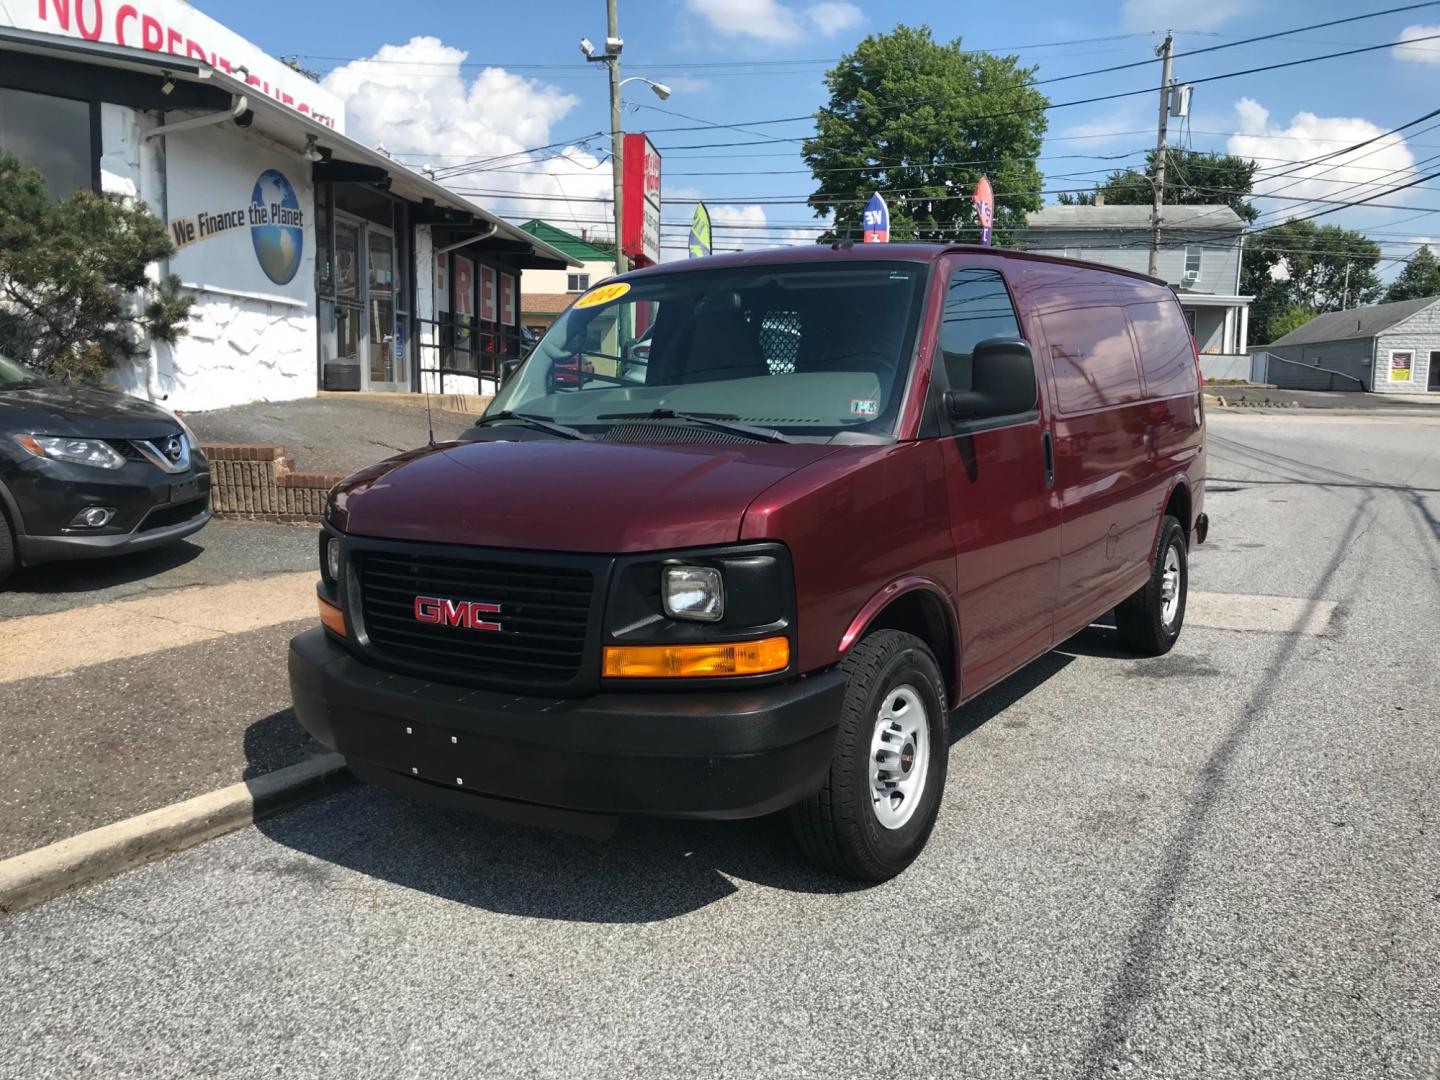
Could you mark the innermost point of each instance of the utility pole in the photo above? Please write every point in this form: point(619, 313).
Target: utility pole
point(617, 138)
point(1155, 208)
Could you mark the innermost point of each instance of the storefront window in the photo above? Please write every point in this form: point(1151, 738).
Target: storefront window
point(51, 133)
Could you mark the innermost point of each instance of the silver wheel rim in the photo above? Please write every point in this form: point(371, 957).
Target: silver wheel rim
point(1170, 587)
point(899, 757)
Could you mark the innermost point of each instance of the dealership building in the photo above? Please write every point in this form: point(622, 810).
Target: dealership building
point(315, 262)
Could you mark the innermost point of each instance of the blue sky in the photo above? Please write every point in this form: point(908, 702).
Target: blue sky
point(422, 105)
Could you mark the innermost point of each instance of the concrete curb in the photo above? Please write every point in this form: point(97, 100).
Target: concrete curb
point(39, 875)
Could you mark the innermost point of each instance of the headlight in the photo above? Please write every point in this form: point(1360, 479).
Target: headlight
point(330, 564)
point(96, 452)
point(693, 592)
point(190, 435)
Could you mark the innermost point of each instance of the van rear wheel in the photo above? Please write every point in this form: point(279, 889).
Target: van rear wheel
point(1149, 622)
point(882, 795)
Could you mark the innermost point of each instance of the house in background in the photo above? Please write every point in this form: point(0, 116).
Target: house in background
point(1199, 257)
point(1388, 348)
point(549, 292)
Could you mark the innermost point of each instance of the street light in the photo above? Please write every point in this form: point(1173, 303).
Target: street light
point(661, 90)
point(614, 45)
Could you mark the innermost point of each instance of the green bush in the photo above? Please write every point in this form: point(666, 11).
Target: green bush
point(75, 298)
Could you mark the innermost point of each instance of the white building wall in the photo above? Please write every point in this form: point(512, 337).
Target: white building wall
point(242, 344)
point(557, 281)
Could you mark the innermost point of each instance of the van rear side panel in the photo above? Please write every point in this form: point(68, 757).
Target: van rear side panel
point(1107, 476)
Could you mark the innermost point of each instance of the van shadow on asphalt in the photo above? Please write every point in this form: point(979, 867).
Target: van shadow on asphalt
point(650, 870)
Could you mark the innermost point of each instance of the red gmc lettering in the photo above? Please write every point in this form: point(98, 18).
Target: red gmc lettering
point(443, 611)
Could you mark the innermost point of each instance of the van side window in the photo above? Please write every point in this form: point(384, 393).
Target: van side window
point(1163, 339)
point(1092, 356)
point(977, 306)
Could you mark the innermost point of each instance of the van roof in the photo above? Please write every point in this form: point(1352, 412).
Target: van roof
point(849, 252)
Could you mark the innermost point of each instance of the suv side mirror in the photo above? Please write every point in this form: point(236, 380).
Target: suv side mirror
point(508, 369)
point(1002, 382)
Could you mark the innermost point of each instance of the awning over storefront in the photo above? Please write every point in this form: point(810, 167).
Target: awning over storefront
point(64, 65)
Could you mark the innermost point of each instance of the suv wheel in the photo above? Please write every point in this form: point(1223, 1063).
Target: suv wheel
point(7, 547)
point(1149, 622)
point(882, 796)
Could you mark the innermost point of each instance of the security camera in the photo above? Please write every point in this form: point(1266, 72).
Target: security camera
point(245, 119)
point(613, 45)
point(587, 46)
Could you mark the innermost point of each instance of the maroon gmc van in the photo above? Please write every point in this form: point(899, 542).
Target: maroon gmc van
point(753, 565)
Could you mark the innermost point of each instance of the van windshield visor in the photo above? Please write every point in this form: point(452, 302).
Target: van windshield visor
point(806, 350)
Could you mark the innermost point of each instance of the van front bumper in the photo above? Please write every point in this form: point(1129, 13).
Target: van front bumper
point(703, 754)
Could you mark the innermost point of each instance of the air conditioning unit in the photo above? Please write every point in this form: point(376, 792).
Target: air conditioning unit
point(1190, 277)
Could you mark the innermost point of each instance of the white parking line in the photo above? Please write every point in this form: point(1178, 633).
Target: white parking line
point(36, 645)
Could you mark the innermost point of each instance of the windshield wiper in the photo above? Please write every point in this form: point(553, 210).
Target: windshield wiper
point(531, 420)
point(718, 421)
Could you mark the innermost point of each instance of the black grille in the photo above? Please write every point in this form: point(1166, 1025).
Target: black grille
point(543, 617)
point(174, 514)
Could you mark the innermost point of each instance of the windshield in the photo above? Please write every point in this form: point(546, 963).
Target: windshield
point(803, 349)
point(15, 377)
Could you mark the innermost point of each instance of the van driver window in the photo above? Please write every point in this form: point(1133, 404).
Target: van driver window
point(977, 306)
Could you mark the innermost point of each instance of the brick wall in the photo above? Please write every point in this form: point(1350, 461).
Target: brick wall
point(255, 482)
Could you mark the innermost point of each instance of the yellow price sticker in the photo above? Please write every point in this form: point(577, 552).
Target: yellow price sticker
point(603, 294)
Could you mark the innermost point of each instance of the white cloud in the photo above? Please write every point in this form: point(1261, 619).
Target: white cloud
point(1112, 127)
point(418, 102)
point(1171, 14)
point(1351, 176)
point(772, 21)
point(1426, 52)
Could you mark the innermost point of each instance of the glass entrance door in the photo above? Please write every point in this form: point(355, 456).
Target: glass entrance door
point(365, 298)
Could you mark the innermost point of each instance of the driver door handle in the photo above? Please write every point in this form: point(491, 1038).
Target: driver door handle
point(1048, 445)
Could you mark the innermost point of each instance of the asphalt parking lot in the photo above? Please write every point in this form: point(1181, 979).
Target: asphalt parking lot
point(1221, 863)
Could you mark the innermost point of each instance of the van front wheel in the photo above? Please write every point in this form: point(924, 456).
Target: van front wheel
point(1149, 622)
point(882, 795)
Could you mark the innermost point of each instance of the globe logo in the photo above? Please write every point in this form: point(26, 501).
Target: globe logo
point(277, 226)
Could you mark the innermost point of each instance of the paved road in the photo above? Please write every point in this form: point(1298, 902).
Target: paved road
point(329, 434)
point(1220, 863)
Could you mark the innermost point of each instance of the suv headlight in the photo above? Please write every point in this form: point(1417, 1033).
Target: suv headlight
point(96, 452)
point(693, 592)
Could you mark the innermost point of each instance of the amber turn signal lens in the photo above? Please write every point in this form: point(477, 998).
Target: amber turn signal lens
point(332, 617)
point(680, 661)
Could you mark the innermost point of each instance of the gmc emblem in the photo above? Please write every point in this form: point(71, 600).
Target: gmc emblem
point(445, 612)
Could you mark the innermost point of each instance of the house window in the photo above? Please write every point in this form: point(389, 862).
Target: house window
point(51, 133)
point(576, 283)
point(1193, 252)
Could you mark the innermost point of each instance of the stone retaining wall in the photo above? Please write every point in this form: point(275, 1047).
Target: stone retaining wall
point(254, 482)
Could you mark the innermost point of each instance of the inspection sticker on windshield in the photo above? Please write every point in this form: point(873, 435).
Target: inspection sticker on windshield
point(864, 407)
point(603, 294)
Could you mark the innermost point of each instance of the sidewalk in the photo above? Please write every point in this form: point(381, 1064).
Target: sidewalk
point(142, 681)
point(1342, 401)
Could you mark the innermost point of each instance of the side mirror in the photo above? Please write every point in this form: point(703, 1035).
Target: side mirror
point(508, 369)
point(1002, 382)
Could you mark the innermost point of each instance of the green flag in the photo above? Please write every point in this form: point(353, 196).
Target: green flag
point(700, 232)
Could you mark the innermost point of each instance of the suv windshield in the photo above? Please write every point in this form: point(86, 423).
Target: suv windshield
point(803, 349)
point(15, 377)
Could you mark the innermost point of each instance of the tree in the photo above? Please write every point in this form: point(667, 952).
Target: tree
point(1421, 277)
point(921, 122)
point(75, 297)
point(1301, 264)
point(1191, 179)
point(1292, 318)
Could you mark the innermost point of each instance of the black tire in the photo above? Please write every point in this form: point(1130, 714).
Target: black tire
point(1140, 619)
point(9, 558)
point(839, 828)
